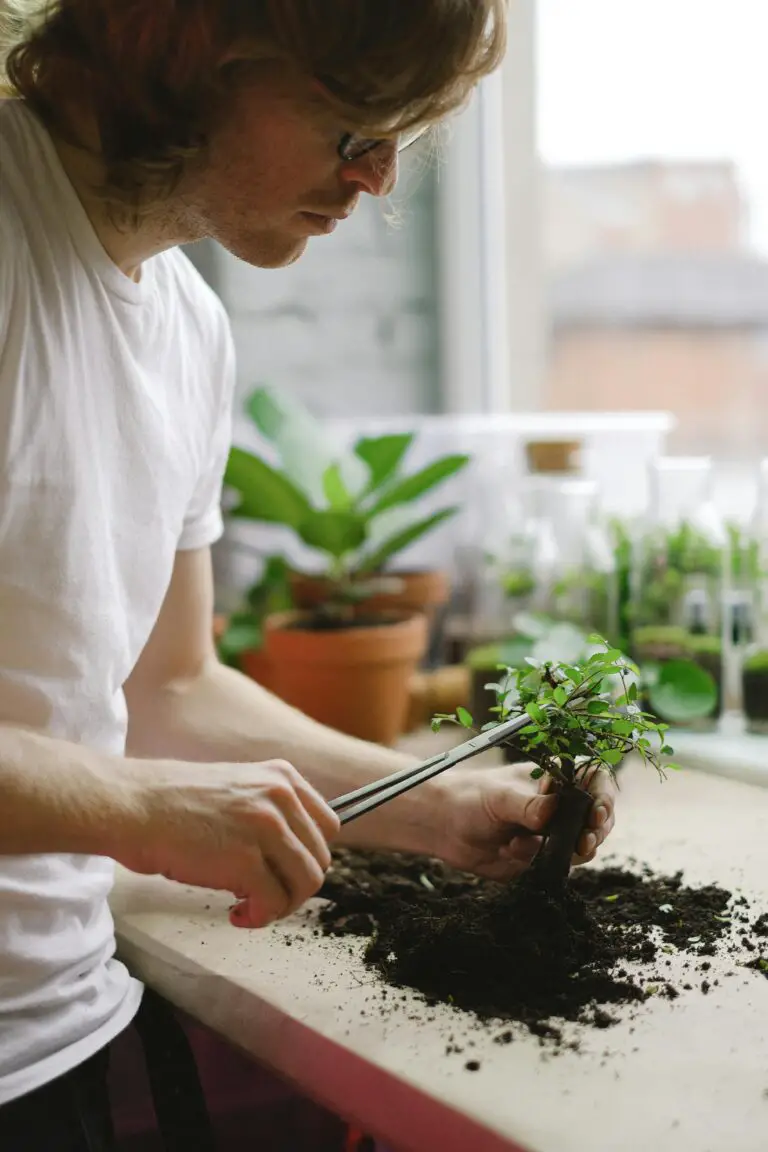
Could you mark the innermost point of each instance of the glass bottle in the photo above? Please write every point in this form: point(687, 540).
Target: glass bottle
point(679, 577)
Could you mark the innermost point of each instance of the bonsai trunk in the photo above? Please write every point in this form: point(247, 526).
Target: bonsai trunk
point(553, 861)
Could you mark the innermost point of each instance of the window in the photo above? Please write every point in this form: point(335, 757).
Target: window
point(654, 224)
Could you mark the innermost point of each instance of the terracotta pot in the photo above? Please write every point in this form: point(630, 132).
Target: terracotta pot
point(355, 679)
point(421, 591)
point(256, 664)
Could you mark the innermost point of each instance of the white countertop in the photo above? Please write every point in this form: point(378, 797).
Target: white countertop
point(684, 1076)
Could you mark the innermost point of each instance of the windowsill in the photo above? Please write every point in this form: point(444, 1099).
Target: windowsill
point(730, 751)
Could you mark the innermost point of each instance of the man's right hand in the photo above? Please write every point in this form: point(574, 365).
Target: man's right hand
point(259, 831)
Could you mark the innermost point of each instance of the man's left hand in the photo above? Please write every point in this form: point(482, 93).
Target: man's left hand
point(478, 808)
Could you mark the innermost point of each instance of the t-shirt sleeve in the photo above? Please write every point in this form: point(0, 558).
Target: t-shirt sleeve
point(203, 522)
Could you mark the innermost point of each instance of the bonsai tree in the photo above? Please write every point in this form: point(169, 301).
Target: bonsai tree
point(582, 717)
point(355, 509)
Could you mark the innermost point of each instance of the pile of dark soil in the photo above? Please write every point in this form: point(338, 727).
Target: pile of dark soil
point(513, 952)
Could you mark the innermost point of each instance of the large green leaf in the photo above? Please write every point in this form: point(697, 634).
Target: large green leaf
point(383, 455)
point(683, 691)
point(402, 539)
point(335, 533)
point(304, 444)
point(265, 494)
point(420, 482)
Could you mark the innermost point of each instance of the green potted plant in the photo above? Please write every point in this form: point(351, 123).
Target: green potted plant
point(240, 636)
point(368, 498)
point(347, 654)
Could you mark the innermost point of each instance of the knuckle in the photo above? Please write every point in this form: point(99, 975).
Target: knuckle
point(272, 820)
point(280, 793)
point(284, 769)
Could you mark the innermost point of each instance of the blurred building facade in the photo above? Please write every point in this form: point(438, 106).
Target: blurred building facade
point(656, 301)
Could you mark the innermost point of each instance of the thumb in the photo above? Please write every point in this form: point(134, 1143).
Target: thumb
point(521, 812)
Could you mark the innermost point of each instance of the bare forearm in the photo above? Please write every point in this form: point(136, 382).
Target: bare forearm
point(61, 797)
point(222, 716)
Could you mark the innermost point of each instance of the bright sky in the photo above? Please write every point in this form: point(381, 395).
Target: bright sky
point(623, 79)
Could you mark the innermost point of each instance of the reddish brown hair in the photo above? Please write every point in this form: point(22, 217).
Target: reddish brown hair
point(151, 70)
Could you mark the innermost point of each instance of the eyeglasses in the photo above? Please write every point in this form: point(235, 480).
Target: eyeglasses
point(352, 147)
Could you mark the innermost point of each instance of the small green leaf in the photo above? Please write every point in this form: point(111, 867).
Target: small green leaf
point(595, 707)
point(464, 717)
point(622, 727)
point(401, 540)
point(335, 490)
point(383, 455)
point(611, 899)
point(537, 773)
point(436, 724)
point(612, 756)
point(335, 533)
point(560, 696)
point(411, 487)
point(535, 713)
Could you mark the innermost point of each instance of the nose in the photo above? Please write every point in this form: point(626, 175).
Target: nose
point(375, 173)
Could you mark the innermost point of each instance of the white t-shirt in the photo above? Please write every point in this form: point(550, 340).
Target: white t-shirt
point(115, 416)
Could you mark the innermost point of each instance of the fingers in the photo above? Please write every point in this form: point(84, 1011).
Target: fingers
point(308, 816)
point(268, 899)
point(323, 816)
point(279, 882)
point(601, 817)
point(288, 864)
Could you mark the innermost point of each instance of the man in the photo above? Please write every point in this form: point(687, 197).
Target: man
point(138, 125)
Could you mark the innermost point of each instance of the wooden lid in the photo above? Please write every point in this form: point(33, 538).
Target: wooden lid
point(553, 455)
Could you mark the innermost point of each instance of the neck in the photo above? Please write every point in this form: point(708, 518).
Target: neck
point(127, 247)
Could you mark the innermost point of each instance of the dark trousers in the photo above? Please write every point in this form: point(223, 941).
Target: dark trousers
point(73, 1113)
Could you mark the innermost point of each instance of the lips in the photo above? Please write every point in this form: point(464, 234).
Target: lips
point(320, 223)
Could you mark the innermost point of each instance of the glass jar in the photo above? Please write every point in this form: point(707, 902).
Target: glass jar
point(574, 564)
point(753, 582)
point(679, 580)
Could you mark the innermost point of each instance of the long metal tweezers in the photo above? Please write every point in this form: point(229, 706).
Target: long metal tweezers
point(354, 804)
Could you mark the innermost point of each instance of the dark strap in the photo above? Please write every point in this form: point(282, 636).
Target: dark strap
point(177, 1093)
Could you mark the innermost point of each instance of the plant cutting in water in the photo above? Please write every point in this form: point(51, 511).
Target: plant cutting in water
point(583, 718)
